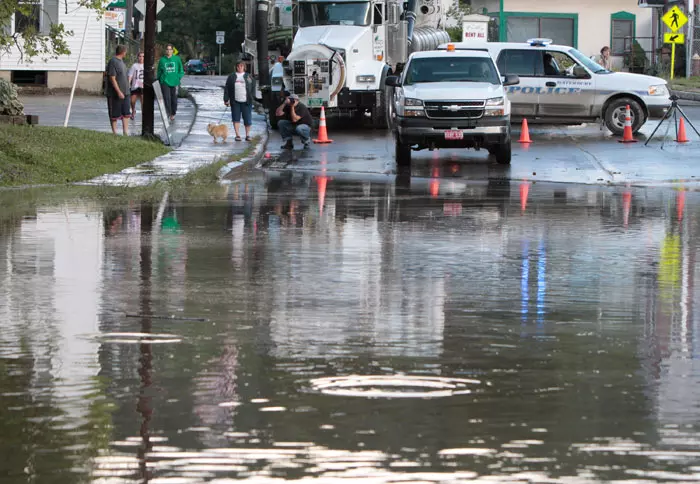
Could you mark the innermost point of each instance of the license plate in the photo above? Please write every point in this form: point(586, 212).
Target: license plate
point(315, 102)
point(454, 134)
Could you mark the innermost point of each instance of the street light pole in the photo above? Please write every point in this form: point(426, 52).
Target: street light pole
point(148, 75)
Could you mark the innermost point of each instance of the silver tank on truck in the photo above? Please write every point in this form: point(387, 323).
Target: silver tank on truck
point(343, 51)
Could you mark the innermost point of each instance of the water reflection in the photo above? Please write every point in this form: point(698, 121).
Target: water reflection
point(572, 306)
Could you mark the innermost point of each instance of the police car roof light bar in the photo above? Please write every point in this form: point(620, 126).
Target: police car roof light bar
point(539, 42)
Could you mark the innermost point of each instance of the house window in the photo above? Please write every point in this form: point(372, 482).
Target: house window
point(30, 18)
point(39, 15)
point(622, 32)
point(561, 28)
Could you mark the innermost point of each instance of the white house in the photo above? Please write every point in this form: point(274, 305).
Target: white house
point(587, 25)
point(59, 73)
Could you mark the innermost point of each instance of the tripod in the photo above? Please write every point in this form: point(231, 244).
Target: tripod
point(675, 109)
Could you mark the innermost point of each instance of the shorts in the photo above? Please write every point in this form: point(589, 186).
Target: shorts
point(137, 91)
point(118, 108)
point(244, 109)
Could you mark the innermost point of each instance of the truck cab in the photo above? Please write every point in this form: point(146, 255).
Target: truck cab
point(344, 50)
point(560, 85)
point(451, 100)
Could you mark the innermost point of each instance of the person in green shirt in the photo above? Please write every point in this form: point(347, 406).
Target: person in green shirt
point(170, 72)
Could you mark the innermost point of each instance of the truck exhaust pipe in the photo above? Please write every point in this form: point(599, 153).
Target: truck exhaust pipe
point(410, 21)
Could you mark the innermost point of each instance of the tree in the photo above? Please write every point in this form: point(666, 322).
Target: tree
point(455, 15)
point(31, 41)
point(195, 34)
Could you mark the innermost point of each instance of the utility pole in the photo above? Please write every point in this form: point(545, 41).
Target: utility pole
point(129, 22)
point(148, 75)
point(261, 18)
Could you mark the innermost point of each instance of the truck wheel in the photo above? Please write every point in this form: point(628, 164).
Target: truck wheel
point(403, 153)
point(502, 153)
point(615, 115)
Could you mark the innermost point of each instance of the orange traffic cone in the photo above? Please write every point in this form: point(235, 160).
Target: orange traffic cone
point(322, 131)
point(682, 138)
point(626, 204)
point(524, 191)
point(524, 133)
point(627, 133)
point(680, 204)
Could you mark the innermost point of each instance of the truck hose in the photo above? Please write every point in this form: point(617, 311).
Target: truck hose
point(341, 83)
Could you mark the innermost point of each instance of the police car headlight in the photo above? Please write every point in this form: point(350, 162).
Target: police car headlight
point(660, 90)
point(369, 78)
point(412, 102)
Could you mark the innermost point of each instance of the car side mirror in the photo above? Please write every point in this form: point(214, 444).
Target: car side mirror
point(393, 81)
point(580, 72)
point(511, 80)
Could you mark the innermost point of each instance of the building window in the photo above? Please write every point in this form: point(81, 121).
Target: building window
point(561, 28)
point(622, 32)
point(30, 18)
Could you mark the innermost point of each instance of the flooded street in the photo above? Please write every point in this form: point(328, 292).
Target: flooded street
point(301, 327)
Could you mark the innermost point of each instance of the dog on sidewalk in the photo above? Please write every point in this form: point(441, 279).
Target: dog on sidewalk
point(218, 131)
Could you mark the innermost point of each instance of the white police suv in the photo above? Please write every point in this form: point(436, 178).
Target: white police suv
point(560, 85)
point(450, 100)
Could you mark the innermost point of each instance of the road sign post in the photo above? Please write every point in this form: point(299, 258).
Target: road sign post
point(220, 35)
point(674, 20)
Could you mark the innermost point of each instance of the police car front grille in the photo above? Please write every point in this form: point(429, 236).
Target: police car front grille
point(454, 109)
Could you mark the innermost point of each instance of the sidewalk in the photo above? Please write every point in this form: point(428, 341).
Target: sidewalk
point(193, 146)
point(90, 112)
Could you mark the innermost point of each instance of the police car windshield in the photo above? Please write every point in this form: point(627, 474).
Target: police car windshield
point(451, 69)
point(590, 64)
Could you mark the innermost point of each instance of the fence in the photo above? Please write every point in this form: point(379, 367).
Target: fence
point(115, 37)
point(639, 54)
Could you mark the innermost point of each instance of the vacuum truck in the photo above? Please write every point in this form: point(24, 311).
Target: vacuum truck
point(343, 51)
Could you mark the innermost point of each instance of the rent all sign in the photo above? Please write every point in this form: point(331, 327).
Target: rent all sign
point(475, 30)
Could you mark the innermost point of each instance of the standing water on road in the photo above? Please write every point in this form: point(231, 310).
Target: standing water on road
point(305, 327)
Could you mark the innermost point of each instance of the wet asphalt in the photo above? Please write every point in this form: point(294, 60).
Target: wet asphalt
point(576, 154)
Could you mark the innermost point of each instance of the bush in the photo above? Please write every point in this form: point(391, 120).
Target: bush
point(10, 105)
point(636, 60)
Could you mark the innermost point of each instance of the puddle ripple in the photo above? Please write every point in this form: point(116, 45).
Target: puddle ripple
point(393, 386)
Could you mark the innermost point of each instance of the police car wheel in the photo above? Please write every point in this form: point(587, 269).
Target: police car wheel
point(615, 115)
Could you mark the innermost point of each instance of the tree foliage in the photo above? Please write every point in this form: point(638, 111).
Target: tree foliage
point(191, 26)
point(31, 42)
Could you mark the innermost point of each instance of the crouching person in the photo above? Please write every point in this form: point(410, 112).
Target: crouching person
point(295, 118)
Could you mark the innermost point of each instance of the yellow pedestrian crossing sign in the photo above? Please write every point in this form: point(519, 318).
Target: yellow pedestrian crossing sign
point(671, 38)
point(674, 19)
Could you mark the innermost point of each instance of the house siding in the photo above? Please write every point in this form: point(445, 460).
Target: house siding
point(93, 60)
point(593, 18)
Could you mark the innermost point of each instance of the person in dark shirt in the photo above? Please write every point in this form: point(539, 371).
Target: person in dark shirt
point(118, 102)
point(295, 119)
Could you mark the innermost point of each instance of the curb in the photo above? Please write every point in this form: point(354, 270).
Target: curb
point(686, 95)
point(227, 172)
